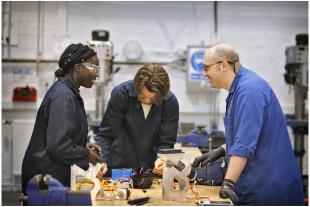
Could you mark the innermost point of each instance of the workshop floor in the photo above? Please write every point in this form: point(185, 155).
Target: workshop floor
point(10, 198)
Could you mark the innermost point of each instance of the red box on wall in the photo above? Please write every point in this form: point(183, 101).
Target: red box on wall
point(24, 94)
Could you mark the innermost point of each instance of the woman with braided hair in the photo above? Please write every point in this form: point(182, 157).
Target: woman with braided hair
point(59, 137)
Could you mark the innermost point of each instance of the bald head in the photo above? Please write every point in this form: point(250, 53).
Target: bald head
point(223, 51)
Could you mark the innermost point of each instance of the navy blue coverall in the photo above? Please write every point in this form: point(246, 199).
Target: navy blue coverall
point(127, 139)
point(59, 136)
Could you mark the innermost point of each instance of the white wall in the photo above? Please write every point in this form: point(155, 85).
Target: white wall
point(260, 31)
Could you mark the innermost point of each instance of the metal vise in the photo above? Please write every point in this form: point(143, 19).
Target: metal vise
point(46, 190)
point(175, 169)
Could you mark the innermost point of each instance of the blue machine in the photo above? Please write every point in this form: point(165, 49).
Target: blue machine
point(197, 137)
point(213, 174)
point(48, 191)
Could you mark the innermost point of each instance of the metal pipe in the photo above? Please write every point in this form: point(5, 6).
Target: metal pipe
point(4, 6)
point(38, 31)
point(67, 19)
point(9, 30)
point(27, 61)
point(196, 21)
point(215, 17)
point(42, 30)
point(300, 93)
point(38, 37)
point(56, 61)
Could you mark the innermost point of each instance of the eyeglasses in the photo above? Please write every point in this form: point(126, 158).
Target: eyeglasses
point(95, 69)
point(206, 67)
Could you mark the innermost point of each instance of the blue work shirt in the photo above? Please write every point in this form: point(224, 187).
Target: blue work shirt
point(59, 136)
point(256, 129)
point(127, 139)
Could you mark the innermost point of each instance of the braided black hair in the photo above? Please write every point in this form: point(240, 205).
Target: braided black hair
point(73, 54)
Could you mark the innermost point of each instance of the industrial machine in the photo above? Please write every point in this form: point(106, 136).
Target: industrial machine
point(104, 48)
point(198, 137)
point(297, 75)
point(177, 170)
point(213, 174)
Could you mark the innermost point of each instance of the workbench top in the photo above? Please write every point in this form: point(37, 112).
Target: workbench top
point(155, 194)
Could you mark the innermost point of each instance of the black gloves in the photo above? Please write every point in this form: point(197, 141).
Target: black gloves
point(209, 157)
point(227, 191)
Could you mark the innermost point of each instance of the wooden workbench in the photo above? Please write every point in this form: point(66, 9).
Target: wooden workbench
point(155, 194)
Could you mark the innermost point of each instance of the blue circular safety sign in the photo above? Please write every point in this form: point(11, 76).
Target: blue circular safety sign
point(197, 60)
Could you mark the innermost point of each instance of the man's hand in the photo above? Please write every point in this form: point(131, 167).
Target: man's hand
point(94, 158)
point(227, 191)
point(158, 166)
point(209, 157)
point(103, 170)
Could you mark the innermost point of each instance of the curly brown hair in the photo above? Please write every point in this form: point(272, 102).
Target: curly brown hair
point(155, 78)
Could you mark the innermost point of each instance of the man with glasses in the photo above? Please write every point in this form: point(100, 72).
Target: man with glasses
point(262, 169)
point(141, 117)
